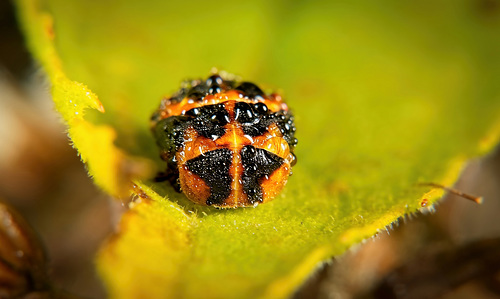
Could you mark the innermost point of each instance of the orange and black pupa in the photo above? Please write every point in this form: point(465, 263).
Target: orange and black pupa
point(227, 144)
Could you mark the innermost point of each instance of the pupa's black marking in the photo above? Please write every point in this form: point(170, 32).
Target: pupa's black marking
point(285, 122)
point(255, 120)
point(169, 133)
point(257, 164)
point(213, 168)
point(214, 80)
point(214, 84)
point(250, 90)
point(198, 92)
point(209, 121)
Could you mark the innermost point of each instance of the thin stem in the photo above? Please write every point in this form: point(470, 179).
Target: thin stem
point(478, 200)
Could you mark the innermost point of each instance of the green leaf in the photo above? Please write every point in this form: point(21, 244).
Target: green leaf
point(386, 96)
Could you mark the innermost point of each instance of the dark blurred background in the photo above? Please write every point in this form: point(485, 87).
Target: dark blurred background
point(451, 250)
point(41, 175)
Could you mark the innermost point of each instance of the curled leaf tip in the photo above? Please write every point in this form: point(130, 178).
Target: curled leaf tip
point(100, 107)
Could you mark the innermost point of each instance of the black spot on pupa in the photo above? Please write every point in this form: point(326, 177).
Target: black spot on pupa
point(169, 133)
point(255, 120)
point(250, 90)
point(285, 122)
point(252, 120)
point(214, 80)
point(257, 164)
point(209, 121)
point(213, 168)
point(198, 92)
